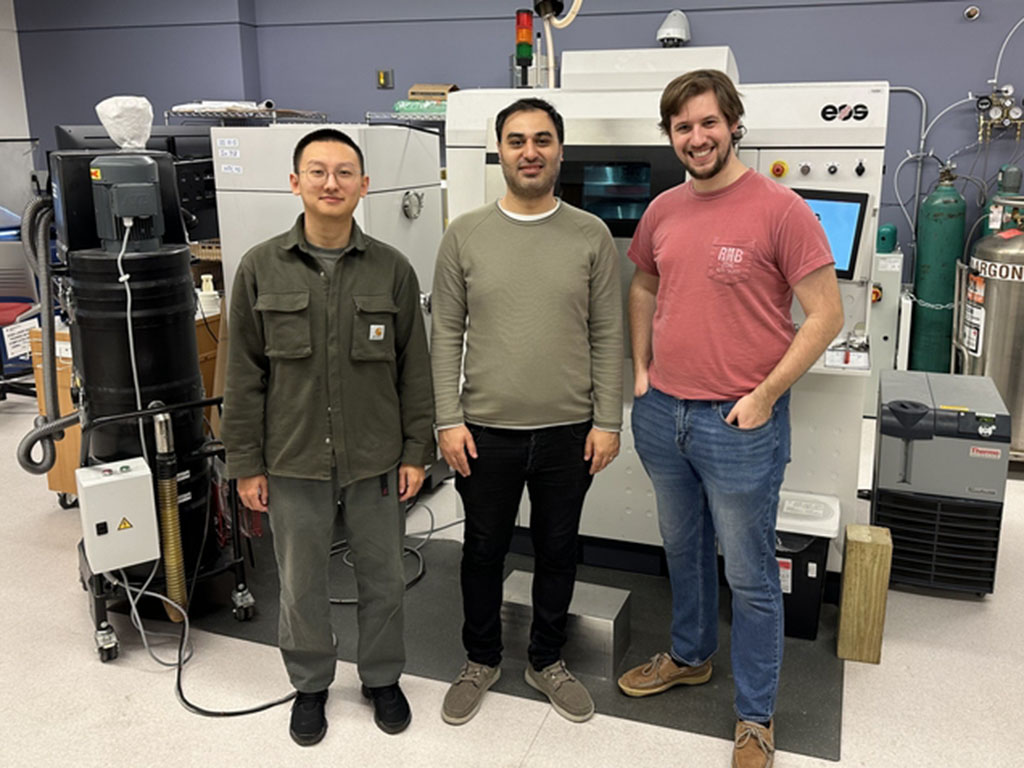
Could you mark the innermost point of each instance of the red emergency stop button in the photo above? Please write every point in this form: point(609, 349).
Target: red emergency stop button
point(779, 169)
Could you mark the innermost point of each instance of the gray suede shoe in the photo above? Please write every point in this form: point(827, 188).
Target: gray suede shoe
point(567, 694)
point(467, 691)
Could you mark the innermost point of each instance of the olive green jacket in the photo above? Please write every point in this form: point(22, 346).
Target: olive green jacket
point(326, 369)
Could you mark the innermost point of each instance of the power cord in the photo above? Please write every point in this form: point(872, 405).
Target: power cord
point(186, 651)
point(124, 279)
point(185, 648)
point(183, 659)
point(341, 547)
point(137, 618)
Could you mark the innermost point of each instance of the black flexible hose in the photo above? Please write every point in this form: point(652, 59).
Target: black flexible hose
point(35, 234)
point(43, 432)
point(28, 221)
point(51, 396)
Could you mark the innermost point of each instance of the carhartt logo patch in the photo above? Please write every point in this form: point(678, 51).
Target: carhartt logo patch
point(376, 333)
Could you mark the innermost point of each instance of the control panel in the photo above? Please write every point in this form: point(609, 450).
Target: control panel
point(119, 523)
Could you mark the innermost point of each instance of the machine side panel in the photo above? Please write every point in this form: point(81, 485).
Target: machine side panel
point(260, 157)
point(398, 158)
point(825, 414)
point(417, 238)
point(248, 218)
point(648, 68)
point(255, 201)
point(466, 164)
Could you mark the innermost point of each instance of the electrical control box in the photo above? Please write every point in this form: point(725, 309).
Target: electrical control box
point(119, 523)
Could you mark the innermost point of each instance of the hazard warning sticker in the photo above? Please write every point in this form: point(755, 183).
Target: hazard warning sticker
point(124, 525)
point(973, 329)
point(785, 574)
point(976, 289)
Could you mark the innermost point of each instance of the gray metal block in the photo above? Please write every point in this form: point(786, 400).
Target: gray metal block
point(598, 626)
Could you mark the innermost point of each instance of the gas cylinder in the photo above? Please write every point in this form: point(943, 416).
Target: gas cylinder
point(1008, 182)
point(992, 320)
point(940, 242)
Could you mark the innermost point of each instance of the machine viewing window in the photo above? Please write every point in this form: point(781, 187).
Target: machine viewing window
point(842, 217)
point(616, 191)
point(617, 184)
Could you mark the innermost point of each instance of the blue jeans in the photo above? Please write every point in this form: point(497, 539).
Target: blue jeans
point(715, 479)
point(549, 462)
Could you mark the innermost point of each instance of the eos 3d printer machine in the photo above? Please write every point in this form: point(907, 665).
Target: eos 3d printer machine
point(616, 160)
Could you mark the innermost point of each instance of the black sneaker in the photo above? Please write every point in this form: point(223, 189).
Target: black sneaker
point(308, 724)
point(390, 709)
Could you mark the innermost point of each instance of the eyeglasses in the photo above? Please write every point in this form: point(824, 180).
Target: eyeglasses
point(319, 176)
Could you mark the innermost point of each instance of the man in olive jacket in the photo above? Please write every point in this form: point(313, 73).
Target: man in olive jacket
point(328, 410)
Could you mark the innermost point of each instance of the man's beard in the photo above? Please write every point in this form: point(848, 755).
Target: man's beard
point(711, 172)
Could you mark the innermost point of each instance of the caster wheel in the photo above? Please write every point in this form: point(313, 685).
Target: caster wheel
point(67, 500)
point(244, 606)
point(108, 653)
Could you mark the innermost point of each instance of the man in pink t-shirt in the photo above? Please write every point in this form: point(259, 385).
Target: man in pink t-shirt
point(718, 261)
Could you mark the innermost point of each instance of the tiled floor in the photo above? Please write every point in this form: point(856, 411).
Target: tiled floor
point(943, 695)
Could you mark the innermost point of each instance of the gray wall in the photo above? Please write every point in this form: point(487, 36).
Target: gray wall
point(322, 54)
point(75, 53)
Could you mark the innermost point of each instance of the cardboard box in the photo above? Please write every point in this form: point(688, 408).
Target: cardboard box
point(431, 91)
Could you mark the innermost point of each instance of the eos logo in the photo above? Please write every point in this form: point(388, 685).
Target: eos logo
point(832, 112)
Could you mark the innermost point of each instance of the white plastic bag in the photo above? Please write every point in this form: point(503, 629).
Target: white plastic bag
point(128, 120)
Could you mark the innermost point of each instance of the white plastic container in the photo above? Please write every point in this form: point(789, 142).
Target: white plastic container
point(208, 303)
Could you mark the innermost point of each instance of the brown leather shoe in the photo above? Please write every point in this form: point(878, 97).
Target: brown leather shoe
point(754, 746)
point(661, 673)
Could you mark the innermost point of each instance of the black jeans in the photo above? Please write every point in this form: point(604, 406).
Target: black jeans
point(550, 463)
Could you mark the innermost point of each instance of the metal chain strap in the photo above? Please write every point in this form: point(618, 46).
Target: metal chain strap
point(928, 304)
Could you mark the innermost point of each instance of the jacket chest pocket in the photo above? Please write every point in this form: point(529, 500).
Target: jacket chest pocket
point(373, 328)
point(285, 324)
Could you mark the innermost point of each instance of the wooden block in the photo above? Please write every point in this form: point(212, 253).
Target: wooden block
point(207, 342)
point(867, 558)
point(220, 371)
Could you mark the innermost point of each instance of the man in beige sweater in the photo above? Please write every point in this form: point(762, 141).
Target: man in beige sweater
point(531, 285)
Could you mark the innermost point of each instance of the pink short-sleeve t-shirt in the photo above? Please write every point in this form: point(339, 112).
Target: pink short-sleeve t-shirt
point(727, 262)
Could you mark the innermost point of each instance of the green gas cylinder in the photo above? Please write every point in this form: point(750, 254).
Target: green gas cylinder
point(1008, 183)
point(940, 242)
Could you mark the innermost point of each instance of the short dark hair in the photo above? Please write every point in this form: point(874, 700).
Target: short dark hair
point(326, 134)
point(530, 105)
point(685, 87)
